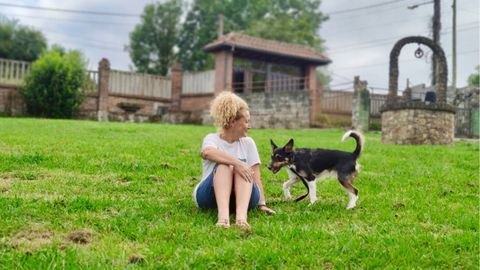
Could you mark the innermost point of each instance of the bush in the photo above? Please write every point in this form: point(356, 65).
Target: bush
point(53, 87)
point(329, 121)
point(375, 125)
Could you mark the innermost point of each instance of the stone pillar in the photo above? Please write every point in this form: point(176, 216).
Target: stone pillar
point(475, 122)
point(360, 105)
point(312, 86)
point(223, 71)
point(103, 79)
point(176, 77)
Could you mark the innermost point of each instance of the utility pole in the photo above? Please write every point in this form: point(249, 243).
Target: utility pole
point(454, 44)
point(220, 25)
point(436, 36)
point(436, 25)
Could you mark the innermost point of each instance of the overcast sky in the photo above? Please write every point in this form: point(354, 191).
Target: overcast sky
point(358, 42)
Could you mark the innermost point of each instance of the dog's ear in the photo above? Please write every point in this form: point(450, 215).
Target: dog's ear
point(274, 146)
point(289, 146)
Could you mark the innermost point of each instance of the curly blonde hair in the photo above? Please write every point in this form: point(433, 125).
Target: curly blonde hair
point(227, 107)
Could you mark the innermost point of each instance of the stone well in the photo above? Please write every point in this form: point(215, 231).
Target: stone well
point(418, 123)
point(405, 121)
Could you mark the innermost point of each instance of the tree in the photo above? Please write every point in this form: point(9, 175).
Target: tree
point(20, 42)
point(53, 88)
point(295, 21)
point(201, 27)
point(474, 79)
point(152, 41)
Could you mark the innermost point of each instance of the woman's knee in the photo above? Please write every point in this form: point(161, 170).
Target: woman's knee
point(223, 172)
point(238, 177)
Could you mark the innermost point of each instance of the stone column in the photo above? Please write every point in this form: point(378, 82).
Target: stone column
point(475, 122)
point(312, 86)
point(223, 71)
point(176, 77)
point(360, 105)
point(103, 79)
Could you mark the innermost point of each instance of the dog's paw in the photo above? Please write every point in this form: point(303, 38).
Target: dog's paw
point(288, 197)
point(350, 207)
point(352, 203)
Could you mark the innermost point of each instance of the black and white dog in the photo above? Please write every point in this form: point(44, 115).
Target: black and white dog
point(307, 165)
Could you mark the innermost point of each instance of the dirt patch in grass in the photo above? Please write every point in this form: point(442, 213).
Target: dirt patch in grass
point(5, 182)
point(136, 258)
point(155, 178)
point(31, 239)
point(82, 237)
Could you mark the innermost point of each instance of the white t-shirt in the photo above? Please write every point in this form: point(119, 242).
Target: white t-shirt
point(244, 149)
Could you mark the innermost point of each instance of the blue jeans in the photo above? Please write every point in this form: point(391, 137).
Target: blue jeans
point(205, 195)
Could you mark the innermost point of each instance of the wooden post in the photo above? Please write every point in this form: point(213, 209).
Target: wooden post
point(176, 77)
point(223, 71)
point(312, 86)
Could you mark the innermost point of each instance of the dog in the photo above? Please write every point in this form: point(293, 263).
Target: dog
point(308, 165)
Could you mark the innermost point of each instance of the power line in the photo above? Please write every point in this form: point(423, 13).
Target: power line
point(400, 61)
point(364, 7)
point(377, 25)
point(70, 20)
point(71, 10)
point(380, 42)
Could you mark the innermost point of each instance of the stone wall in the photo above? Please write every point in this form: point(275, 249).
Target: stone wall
point(88, 109)
point(196, 103)
point(279, 110)
point(419, 124)
point(11, 101)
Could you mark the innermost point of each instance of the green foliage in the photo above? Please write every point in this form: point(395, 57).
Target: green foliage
point(20, 42)
point(295, 21)
point(474, 79)
point(152, 41)
point(90, 195)
point(330, 121)
point(375, 125)
point(53, 88)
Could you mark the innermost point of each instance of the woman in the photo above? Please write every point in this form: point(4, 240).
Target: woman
point(231, 164)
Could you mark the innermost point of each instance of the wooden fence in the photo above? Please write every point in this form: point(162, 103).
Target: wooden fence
point(13, 72)
point(198, 83)
point(376, 101)
point(130, 83)
point(336, 102)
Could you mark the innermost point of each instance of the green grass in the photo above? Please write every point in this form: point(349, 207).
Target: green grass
point(78, 194)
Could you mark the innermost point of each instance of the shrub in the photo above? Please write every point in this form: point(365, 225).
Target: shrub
point(328, 121)
point(375, 125)
point(53, 87)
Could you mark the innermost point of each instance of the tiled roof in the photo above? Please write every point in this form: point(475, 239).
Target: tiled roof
point(235, 40)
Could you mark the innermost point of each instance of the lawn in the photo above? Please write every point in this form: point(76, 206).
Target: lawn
point(80, 194)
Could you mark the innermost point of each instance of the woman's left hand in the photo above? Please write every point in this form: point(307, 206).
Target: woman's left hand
point(267, 210)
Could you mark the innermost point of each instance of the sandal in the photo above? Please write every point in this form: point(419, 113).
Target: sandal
point(243, 225)
point(223, 223)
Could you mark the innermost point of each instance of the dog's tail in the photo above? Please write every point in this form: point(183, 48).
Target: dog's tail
point(358, 138)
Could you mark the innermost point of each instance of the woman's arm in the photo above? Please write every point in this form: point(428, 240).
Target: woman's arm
point(258, 180)
point(220, 157)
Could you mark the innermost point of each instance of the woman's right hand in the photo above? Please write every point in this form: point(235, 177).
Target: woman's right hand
point(244, 170)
